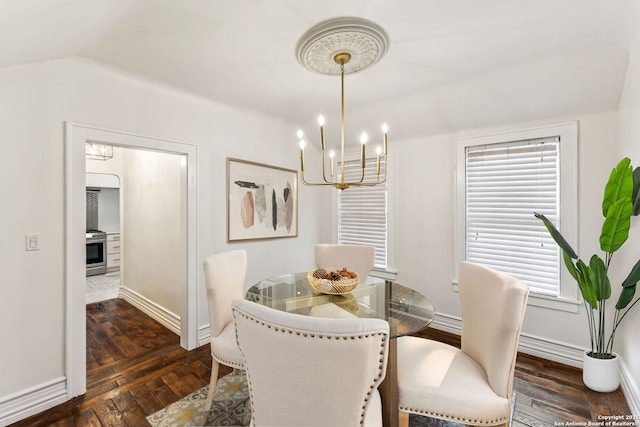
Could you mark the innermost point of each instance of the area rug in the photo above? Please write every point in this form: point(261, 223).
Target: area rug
point(232, 407)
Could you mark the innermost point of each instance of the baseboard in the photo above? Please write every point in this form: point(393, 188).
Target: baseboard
point(163, 316)
point(529, 344)
point(447, 323)
point(32, 401)
point(544, 348)
point(204, 335)
point(630, 389)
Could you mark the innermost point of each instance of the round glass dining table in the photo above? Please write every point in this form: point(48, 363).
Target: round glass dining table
point(406, 310)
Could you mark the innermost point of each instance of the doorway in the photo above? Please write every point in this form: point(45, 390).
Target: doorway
point(140, 220)
point(76, 137)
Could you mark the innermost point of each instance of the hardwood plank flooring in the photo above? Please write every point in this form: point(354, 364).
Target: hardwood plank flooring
point(135, 367)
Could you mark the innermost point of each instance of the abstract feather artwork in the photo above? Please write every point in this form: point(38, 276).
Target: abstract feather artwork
point(262, 201)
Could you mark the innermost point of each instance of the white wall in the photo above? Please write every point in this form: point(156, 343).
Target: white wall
point(425, 209)
point(154, 225)
point(36, 101)
point(629, 345)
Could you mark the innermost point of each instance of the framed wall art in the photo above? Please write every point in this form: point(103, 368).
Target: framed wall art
point(262, 201)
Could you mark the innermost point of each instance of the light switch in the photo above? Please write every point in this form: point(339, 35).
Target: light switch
point(33, 242)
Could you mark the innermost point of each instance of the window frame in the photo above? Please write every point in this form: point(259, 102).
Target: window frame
point(390, 272)
point(568, 299)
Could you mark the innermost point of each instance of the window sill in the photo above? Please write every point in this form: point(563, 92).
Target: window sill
point(544, 301)
point(384, 274)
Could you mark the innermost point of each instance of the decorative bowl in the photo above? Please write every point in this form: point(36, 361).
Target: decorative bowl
point(332, 287)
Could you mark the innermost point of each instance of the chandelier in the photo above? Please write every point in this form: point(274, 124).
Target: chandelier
point(342, 46)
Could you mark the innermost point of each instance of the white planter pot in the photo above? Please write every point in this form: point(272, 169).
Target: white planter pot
point(601, 375)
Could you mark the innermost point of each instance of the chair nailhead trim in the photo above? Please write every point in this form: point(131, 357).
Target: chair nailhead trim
point(304, 334)
point(227, 362)
point(453, 417)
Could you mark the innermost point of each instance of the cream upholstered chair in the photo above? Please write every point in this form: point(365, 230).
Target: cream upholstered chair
point(224, 276)
point(311, 371)
point(358, 258)
point(472, 385)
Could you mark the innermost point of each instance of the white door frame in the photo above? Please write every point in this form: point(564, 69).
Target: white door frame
point(75, 169)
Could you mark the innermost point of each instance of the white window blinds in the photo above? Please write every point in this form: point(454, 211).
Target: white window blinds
point(362, 212)
point(505, 184)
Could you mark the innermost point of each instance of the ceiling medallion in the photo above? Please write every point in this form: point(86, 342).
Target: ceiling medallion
point(364, 40)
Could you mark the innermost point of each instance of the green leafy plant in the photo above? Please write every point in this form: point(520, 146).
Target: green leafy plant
point(621, 201)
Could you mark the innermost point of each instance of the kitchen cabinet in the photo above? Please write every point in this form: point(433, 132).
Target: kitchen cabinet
point(113, 252)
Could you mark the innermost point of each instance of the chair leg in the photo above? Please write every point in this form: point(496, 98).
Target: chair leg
point(212, 384)
point(403, 419)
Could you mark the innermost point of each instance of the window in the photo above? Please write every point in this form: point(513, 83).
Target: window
point(502, 180)
point(363, 213)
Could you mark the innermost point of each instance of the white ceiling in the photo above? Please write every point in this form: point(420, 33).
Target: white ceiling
point(451, 64)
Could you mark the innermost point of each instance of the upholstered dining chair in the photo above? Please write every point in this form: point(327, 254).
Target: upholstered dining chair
point(224, 275)
point(472, 385)
point(358, 258)
point(311, 371)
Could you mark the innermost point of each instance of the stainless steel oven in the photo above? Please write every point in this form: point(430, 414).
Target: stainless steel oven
point(96, 252)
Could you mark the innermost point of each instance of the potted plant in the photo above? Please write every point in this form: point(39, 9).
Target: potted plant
point(621, 201)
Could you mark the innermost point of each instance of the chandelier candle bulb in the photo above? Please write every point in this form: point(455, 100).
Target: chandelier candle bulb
point(385, 128)
point(321, 123)
point(363, 142)
point(301, 155)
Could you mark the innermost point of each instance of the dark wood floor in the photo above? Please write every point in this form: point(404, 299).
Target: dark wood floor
point(135, 367)
point(550, 393)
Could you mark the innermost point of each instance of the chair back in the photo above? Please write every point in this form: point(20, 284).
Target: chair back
point(224, 275)
point(493, 308)
point(358, 258)
point(309, 371)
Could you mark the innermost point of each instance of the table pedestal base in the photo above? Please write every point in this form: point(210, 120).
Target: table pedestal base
point(389, 388)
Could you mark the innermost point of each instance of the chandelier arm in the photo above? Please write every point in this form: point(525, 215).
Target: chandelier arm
point(324, 161)
point(367, 183)
point(371, 183)
point(385, 167)
point(305, 182)
point(363, 162)
point(342, 185)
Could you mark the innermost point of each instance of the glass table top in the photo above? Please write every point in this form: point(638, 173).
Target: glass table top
point(406, 310)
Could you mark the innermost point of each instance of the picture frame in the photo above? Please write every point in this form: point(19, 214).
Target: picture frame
point(262, 201)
